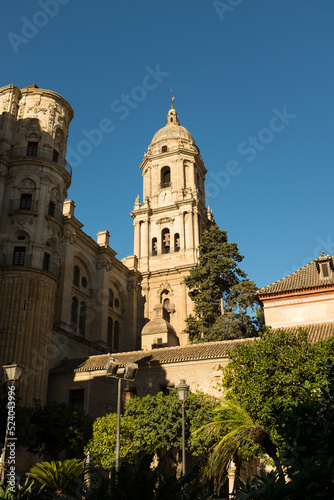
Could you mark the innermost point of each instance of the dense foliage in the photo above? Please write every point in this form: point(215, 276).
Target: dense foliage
point(217, 285)
point(273, 368)
point(306, 430)
point(152, 425)
point(49, 429)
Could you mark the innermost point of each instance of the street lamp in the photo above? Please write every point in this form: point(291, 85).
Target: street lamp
point(130, 372)
point(13, 373)
point(182, 390)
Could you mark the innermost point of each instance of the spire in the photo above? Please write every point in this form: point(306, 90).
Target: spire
point(172, 118)
point(137, 203)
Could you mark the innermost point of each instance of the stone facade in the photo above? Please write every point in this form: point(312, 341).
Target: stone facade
point(62, 294)
point(34, 178)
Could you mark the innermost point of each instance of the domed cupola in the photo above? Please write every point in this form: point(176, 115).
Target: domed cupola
point(172, 136)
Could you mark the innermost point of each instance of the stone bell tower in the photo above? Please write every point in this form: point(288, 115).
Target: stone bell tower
point(34, 178)
point(167, 230)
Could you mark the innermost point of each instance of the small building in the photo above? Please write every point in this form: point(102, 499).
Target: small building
point(303, 299)
point(83, 382)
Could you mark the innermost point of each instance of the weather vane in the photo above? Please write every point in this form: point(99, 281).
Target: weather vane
point(171, 98)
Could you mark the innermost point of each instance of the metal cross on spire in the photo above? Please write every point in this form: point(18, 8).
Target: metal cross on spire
point(172, 98)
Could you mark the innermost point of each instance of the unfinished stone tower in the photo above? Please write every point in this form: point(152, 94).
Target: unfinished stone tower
point(34, 178)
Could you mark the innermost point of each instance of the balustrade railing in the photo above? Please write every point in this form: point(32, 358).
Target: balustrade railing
point(43, 154)
point(20, 259)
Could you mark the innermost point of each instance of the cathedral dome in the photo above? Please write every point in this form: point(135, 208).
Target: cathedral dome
point(175, 131)
point(172, 135)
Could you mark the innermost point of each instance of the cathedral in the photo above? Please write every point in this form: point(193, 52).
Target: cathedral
point(66, 301)
point(64, 295)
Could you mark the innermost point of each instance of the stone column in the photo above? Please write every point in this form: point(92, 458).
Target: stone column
point(196, 228)
point(137, 239)
point(144, 239)
point(182, 233)
point(190, 223)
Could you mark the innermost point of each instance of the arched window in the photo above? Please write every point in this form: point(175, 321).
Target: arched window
point(110, 332)
point(82, 318)
point(74, 314)
point(166, 305)
point(154, 246)
point(165, 177)
point(176, 242)
point(164, 149)
point(76, 276)
point(116, 336)
point(165, 240)
point(111, 298)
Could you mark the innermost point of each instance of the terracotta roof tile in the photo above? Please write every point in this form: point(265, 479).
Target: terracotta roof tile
point(207, 350)
point(316, 331)
point(308, 276)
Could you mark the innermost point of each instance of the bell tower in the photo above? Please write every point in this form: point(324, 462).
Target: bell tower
point(168, 226)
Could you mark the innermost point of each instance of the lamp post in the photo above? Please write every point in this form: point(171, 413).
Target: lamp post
point(130, 372)
point(182, 390)
point(13, 373)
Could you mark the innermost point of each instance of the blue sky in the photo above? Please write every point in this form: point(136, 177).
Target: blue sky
point(253, 83)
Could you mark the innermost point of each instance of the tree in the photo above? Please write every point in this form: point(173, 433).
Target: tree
point(103, 442)
point(236, 435)
point(272, 369)
point(50, 429)
point(56, 427)
point(152, 425)
point(221, 292)
point(306, 431)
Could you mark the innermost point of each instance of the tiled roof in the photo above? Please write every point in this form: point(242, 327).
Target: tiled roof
point(207, 350)
point(316, 331)
point(307, 277)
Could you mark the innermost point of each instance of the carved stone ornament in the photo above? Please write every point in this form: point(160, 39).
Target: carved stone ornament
point(134, 286)
point(70, 237)
point(33, 128)
point(165, 220)
point(104, 264)
point(46, 179)
point(22, 220)
point(52, 111)
point(165, 286)
point(6, 105)
point(36, 108)
point(54, 228)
